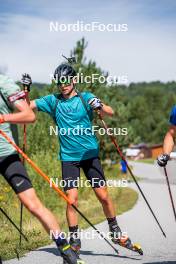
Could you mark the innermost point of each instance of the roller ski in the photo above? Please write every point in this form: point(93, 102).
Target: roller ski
point(126, 243)
point(70, 256)
point(123, 241)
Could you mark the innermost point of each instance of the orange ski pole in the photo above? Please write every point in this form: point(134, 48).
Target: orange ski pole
point(41, 173)
point(35, 167)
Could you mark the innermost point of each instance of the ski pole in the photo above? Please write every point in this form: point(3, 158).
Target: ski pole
point(11, 221)
point(130, 171)
point(170, 193)
point(26, 90)
point(62, 194)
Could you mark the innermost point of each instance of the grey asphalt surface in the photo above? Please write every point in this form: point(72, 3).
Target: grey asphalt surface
point(138, 223)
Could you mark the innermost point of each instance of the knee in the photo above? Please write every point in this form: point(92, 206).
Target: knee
point(74, 200)
point(35, 208)
point(31, 202)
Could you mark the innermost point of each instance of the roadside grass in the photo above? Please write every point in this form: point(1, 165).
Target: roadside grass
point(123, 198)
point(115, 173)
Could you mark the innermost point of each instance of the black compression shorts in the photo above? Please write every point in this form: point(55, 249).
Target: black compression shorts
point(92, 169)
point(15, 174)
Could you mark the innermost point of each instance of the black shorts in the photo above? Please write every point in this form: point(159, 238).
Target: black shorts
point(15, 174)
point(92, 169)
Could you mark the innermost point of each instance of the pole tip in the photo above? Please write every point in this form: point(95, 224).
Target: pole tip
point(116, 251)
point(164, 235)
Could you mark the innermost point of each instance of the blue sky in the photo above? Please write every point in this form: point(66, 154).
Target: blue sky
point(145, 52)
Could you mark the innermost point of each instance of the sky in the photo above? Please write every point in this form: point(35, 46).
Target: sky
point(146, 52)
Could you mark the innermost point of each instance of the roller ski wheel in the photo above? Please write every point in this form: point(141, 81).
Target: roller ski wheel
point(137, 248)
point(126, 243)
point(79, 261)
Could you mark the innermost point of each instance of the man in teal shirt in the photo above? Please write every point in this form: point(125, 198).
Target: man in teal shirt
point(71, 110)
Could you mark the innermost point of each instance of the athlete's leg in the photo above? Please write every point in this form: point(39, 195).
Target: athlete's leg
point(95, 170)
point(14, 172)
point(16, 175)
point(34, 205)
point(72, 217)
point(70, 175)
point(106, 201)
point(94, 173)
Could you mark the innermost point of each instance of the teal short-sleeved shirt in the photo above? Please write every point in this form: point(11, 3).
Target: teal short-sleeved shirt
point(77, 142)
point(8, 88)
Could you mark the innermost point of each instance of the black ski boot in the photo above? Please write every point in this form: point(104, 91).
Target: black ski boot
point(70, 256)
point(75, 243)
point(124, 241)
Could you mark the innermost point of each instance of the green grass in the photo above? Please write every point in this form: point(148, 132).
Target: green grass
point(123, 198)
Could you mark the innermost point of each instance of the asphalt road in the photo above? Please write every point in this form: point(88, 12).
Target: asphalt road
point(138, 223)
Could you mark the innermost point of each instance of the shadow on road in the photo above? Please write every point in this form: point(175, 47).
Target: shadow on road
point(86, 253)
point(53, 251)
point(161, 262)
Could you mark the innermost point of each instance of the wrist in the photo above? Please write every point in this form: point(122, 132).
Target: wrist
point(166, 154)
point(2, 119)
point(5, 118)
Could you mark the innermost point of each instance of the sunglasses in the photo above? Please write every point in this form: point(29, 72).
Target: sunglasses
point(64, 82)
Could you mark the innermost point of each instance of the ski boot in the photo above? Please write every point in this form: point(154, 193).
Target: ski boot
point(70, 256)
point(75, 244)
point(123, 241)
point(126, 243)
